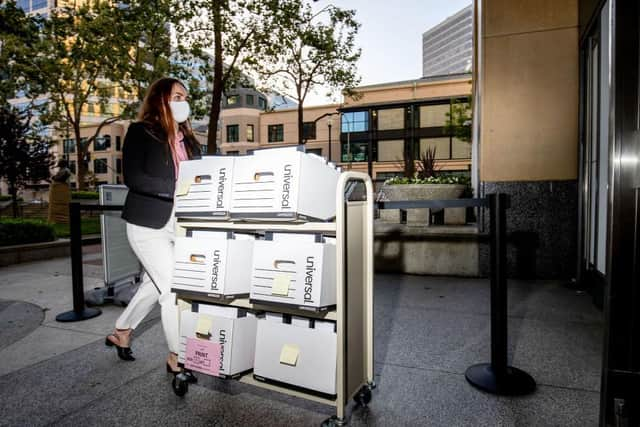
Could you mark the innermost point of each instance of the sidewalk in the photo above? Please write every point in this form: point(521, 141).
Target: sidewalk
point(428, 330)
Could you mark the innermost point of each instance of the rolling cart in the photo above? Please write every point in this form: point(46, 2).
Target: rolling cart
point(353, 313)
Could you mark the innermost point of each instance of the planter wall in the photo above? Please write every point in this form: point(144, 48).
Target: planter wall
point(401, 192)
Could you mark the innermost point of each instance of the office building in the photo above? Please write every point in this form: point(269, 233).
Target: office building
point(447, 48)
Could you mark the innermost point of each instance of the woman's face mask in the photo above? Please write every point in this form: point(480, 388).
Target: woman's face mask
point(180, 110)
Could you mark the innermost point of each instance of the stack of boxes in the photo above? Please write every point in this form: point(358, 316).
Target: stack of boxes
point(277, 268)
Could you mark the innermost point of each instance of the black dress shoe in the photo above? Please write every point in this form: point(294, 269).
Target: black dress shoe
point(124, 353)
point(186, 372)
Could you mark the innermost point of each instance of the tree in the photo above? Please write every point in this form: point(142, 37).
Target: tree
point(238, 30)
point(80, 55)
point(24, 154)
point(97, 53)
point(458, 121)
point(18, 38)
point(312, 49)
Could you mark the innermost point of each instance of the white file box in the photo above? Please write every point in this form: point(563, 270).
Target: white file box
point(203, 188)
point(283, 183)
point(296, 355)
point(294, 271)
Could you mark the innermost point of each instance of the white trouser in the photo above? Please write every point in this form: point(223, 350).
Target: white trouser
point(154, 248)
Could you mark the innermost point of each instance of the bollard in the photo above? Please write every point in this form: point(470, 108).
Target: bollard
point(80, 311)
point(497, 377)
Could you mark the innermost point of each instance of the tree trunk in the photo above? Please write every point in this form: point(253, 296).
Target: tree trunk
point(300, 124)
point(216, 97)
point(14, 198)
point(81, 167)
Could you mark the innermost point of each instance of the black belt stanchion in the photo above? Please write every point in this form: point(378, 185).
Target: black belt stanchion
point(80, 311)
point(497, 377)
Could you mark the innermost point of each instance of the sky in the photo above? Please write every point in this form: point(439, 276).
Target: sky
point(391, 37)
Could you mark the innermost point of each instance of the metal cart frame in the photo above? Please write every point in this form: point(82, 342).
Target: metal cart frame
point(353, 314)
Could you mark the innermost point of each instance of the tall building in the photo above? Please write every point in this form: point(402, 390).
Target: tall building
point(447, 48)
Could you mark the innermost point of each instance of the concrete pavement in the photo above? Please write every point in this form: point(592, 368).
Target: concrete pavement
point(428, 330)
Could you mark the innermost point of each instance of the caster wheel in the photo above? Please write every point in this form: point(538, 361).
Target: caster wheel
point(180, 388)
point(363, 397)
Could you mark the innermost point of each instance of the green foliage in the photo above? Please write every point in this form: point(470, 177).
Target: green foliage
point(427, 165)
point(85, 195)
point(459, 120)
point(439, 179)
point(23, 231)
point(310, 49)
point(18, 39)
point(88, 225)
point(24, 154)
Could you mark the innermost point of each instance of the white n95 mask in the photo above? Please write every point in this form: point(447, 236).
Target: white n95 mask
point(180, 110)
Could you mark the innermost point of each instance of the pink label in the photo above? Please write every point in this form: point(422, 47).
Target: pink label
point(203, 356)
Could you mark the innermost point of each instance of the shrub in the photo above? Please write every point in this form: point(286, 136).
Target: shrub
point(85, 195)
point(22, 231)
point(7, 197)
point(438, 179)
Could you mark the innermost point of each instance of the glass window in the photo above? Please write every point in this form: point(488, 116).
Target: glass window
point(24, 5)
point(308, 130)
point(440, 144)
point(72, 166)
point(433, 115)
point(118, 143)
point(119, 165)
point(460, 149)
point(233, 132)
point(69, 146)
point(276, 133)
point(391, 150)
point(317, 151)
point(391, 119)
point(39, 4)
point(102, 143)
point(232, 153)
point(262, 103)
point(232, 99)
point(354, 152)
point(356, 121)
point(250, 133)
point(250, 99)
point(99, 165)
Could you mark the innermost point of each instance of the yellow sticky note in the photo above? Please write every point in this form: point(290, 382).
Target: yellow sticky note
point(204, 325)
point(289, 354)
point(280, 284)
point(183, 305)
point(183, 188)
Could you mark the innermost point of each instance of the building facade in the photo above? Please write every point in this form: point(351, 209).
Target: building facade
point(370, 132)
point(556, 104)
point(447, 48)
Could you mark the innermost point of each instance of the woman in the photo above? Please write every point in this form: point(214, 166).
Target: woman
point(153, 149)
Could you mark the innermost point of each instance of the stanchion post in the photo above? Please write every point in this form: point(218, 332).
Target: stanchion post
point(80, 312)
point(498, 256)
point(497, 377)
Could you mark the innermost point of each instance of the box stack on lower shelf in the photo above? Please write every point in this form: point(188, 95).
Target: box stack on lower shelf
point(256, 271)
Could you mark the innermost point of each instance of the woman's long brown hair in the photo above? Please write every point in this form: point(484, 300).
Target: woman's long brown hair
point(156, 113)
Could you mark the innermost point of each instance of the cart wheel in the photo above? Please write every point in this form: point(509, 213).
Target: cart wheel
point(180, 388)
point(334, 421)
point(363, 397)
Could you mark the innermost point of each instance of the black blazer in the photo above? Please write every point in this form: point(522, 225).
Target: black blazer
point(150, 175)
